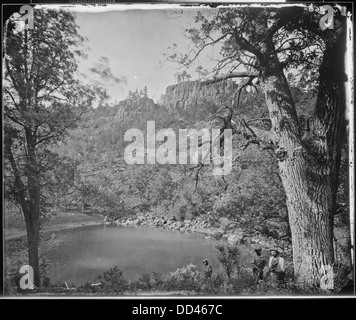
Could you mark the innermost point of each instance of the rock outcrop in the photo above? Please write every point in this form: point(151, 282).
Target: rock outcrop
point(191, 99)
point(138, 108)
point(233, 236)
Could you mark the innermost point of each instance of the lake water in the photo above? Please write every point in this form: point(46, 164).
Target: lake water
point(135, 250)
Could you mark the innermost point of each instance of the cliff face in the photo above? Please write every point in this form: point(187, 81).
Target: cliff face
point(137, 108)
point(192, 99)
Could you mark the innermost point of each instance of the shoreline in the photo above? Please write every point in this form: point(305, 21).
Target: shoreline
point(60, 228)
point(233, 236)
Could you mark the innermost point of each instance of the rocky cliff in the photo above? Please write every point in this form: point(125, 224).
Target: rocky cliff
point(191, 99)
point(138, 107)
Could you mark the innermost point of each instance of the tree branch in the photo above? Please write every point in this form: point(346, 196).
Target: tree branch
point(14, 120)
point(12, 97)
point(243, 74)
point(204, 46)
point(258, 119)
point(53, 136)
point(245, 45)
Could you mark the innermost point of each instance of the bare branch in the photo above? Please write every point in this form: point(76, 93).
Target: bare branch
point(12, 97)
point(14, 119)
point(243, 74)
point(53, 136)
point(52, 90)
point(207, 45)
point(258, 119)
point(251, 141)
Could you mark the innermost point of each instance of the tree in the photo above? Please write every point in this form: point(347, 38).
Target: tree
point(144, 92)
point(182, 76)
point(262, 43)
point(230, 258)
point(43, 98)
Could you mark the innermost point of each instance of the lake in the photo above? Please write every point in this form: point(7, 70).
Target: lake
point(135, 250)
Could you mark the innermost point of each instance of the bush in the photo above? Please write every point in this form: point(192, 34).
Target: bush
point(157, 279)
point(230, 258)
point(142, 283)
point(237, 285)
point(186, 278)
point(214, 285)
point(113, 281)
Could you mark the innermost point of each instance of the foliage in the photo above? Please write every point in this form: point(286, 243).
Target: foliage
point(113, 281)
point(230, 258)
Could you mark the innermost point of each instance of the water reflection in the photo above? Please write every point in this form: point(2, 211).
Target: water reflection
point(134, 250)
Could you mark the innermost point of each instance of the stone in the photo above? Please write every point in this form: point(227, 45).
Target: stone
point(224, 222)
point(234, 239)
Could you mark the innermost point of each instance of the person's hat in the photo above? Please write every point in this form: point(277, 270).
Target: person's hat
point(275, 249)
point(205, 260)
point(258, 249)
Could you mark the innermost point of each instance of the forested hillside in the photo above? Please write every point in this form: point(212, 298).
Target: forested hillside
point(98, 179)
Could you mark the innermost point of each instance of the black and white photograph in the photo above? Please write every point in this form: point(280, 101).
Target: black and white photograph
point(186, 149)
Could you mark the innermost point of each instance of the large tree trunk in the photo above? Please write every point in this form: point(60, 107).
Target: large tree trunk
point(32, 228)
point(307, 187)
point(33, 219)
point(30, 203)
point(309, 164)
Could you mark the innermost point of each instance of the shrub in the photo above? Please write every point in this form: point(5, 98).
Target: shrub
point(237, 285)
point(214, 285)
point(186, 278)
point(230, 258)
point(142, 283)
point(113, 281)
point(187, 272)
point(157, 279)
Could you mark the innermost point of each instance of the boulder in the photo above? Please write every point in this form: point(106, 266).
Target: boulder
point(224, 222)
point(234, 239)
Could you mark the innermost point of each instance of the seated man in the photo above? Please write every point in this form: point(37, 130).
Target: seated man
point(276, 267)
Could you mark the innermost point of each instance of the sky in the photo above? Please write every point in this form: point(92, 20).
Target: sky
point(134, 41)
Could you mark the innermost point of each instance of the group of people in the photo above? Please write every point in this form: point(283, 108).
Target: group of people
point(275, 267)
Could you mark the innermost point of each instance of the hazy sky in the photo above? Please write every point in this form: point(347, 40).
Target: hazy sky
point(134, 42)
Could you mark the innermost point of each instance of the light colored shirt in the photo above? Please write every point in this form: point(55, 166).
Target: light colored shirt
point(280, 263)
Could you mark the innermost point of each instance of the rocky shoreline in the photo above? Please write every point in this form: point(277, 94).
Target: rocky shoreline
point(227, 230)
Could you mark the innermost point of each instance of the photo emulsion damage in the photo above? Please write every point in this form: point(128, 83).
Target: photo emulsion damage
point(178, 150)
